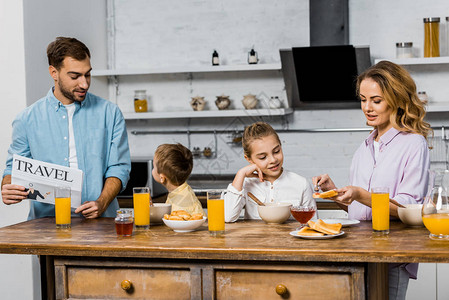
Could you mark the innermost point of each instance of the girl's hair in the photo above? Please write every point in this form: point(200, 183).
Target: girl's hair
point(399, 91)
point(255, 131)
point(174, 161)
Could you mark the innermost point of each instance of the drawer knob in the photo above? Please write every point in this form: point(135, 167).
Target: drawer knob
point(126, 285)
point(281, 289)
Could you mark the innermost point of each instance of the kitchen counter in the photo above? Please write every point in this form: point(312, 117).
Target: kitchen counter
point(248, 248)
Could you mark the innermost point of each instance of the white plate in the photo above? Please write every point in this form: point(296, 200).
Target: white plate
point(343, 222)
point(321, 237)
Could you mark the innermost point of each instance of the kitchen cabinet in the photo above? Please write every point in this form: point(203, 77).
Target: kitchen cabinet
point(252, 260)
point(114, 82)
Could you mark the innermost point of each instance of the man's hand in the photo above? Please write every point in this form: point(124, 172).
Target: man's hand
point(12, 193)
point(90, 209)
point(94, 209)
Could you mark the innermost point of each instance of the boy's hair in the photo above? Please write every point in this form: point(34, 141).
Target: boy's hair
point(255, 131)
point(64, 47)
point(174, 161)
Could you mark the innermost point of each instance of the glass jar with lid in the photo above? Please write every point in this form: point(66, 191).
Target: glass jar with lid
point(431, 37)
point(140, 101)
point(422, 95)
point(124, 222)
point(404, 50)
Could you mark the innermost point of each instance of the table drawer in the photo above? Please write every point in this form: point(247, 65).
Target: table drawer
point(144, 283)
point(296, 285)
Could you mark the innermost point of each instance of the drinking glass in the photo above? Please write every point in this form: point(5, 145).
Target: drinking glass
point(141, 202)
point(215, 213)
point(303, 213)
point(63, 207)
point(380, 205)
point(435, 211)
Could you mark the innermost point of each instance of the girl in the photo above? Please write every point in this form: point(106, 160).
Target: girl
point(395, 154)
point(264, 177)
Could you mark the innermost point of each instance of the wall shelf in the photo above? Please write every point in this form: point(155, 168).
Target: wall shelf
point(417, 60)
point(208, 114)
point(437, 107)
point(188, 69)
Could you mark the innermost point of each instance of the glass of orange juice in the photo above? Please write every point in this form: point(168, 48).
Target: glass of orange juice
point(380, 205)
point(63, 207)
point(141, 202)
point(215, 212)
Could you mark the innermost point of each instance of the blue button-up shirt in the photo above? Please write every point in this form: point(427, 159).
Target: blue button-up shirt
point(41, 132)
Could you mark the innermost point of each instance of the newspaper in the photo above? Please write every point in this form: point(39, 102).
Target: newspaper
point(40, 178)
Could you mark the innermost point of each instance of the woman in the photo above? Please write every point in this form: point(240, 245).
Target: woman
point(395, 154)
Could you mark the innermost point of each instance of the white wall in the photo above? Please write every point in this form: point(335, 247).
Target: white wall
point(16, 276)
point(44, 20)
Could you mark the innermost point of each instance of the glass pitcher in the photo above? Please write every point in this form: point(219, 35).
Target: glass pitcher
point(435, 212)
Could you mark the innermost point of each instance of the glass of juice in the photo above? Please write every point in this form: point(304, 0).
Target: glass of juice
point(63, 207)
point(303, 213)
point(435, 211)
point(124, 222)
point(215, 212)
point(141, 202)
point(380, 205)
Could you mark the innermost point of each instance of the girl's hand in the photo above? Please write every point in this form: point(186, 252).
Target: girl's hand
point(251, 171)
point(324, 182)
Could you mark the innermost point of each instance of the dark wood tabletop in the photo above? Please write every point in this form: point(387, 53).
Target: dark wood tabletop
point(244, 240)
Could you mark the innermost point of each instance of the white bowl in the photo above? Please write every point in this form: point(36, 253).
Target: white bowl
point(411, 214)
point(184, 226)
point(274, 212)
point(157, 212)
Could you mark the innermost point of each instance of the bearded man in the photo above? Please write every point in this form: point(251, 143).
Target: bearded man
point(74, 128)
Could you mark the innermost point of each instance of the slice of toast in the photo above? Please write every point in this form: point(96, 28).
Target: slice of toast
point(327, 194)
point(325, 228)
point(307, 231)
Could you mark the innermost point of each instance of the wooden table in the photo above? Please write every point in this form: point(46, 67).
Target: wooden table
point(252, 261)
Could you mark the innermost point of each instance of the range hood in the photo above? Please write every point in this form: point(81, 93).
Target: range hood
point(323, 76)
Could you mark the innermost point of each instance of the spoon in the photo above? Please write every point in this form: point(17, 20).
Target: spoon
point(255, 199)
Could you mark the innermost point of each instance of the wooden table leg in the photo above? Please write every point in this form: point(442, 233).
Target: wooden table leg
point(377, 281)
point(47, 277)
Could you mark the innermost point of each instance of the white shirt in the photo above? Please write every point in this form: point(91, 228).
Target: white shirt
point(289, 187)
point(72, 147)
point(376, 150)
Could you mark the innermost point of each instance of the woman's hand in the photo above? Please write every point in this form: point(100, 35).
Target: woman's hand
point(324, 182)
point(348, 194)
point(251, 171)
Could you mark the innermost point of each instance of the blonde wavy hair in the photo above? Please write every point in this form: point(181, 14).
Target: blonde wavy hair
point(399, 91)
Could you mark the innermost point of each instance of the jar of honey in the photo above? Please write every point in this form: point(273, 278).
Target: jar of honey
point(431, 37)
point(140, 101)
point(124, 222)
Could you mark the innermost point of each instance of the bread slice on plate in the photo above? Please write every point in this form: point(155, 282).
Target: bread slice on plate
point(306, 231)
point(325, 228)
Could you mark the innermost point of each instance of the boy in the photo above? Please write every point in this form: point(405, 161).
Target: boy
point(172, 165)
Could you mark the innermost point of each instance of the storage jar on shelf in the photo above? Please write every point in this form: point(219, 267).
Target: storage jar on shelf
point(140, 101)
point(431, 37)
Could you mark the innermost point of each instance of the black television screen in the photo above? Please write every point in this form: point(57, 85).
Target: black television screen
point(323, 74)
